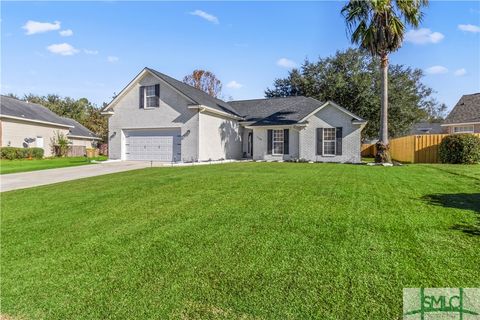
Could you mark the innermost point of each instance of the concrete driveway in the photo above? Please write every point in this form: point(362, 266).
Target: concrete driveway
point(30, 179)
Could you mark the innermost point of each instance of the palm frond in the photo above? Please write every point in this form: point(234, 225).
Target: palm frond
point(379, 25)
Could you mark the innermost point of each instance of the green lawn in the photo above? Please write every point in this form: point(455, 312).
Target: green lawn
point(14, 166)
point(246, 240)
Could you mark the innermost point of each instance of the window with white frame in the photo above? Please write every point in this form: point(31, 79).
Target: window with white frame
point(463, 129)
point(278, 140)
point(151, 100)
point(329, 141)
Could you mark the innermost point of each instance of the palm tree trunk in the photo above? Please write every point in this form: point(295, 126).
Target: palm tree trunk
point(384, 103)
point(383, 155)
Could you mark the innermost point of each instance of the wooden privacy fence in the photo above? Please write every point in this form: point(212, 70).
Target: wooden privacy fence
point(76, 151)
point(417, 149)
point(368, 150)
point(73, 151)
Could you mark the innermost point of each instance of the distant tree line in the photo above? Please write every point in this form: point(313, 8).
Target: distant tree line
point(350, 78)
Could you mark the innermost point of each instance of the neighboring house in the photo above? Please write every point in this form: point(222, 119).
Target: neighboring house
point(24, 124)
point(465, 116)
point(79, 135)
point(160, 118)
point(427, 128)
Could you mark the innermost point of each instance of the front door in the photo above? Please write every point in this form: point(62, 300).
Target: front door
point(250, 144)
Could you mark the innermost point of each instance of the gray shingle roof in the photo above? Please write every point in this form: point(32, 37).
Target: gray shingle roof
point(427, 128)
point(466, 110)
point(79, 130)
point(276, 111)
point(197, 95)
point(32, 111)
point(273, 111)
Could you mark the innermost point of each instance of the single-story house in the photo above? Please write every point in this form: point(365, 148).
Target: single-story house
point(158, 118)
point(24, 124)
point(80, 135)
point(465, 116)
point(426, 127)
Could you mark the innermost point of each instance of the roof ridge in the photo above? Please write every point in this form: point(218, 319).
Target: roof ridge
point(183, 83)
point(37, 109)
point(271, 98)
point(218, 101)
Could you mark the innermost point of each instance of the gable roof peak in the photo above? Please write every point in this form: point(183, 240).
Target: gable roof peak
point(467, 110)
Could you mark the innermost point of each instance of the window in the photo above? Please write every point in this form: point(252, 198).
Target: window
point(39, 142)
point(151, 100)
point(329, 141)
point(278, 140)
point(463, 129)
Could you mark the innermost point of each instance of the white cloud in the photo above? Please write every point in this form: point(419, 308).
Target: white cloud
point(87, 51)
point(63, 49)
point(234, 85)
point(34, 27)
point(423, 36)
point(66, 33)
point(469, 28)
point(205, 15)
point(460, 72)
point(112, 59)
point(436, 70)
point(286, 63)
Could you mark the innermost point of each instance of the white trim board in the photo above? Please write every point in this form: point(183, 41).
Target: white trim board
point(202, 108)
point(36, 121)
point(83, 137)
point(459, 124)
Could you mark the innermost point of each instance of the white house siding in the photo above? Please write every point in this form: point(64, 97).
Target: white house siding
point(219, 138)
point(87, 143)
point(260, 145)
point(14, 133)
point(172, 112)
point(331, 117)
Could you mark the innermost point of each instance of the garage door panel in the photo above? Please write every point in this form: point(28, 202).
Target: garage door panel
point(157, 145)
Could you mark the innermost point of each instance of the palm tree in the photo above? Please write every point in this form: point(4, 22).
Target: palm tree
point(379, 27)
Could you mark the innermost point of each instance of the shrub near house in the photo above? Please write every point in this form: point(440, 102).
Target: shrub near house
point(12, 153)
point(460, 148)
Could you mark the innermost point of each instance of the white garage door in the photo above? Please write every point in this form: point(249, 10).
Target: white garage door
point(157, 145)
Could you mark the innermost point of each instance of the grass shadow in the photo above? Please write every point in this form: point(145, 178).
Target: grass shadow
point(466, 201)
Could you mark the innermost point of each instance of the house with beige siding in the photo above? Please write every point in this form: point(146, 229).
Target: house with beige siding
point(24, 125)
point(158, 118)
point(465, 116)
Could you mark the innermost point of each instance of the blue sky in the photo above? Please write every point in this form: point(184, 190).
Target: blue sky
point(93, 49)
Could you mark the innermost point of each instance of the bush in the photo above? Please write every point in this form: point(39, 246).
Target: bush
point(59, 144)
point(12, 153)
point(9, 153)
point(37, 153)
point(460, 148)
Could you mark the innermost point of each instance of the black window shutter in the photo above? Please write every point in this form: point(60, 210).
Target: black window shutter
point(157, 94)
point(339, 138)
point(319, 141)
point(285, 141)
point(141, 95)
point(269, 141)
